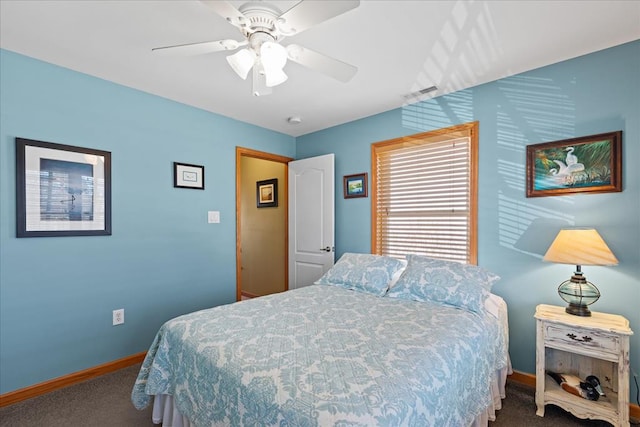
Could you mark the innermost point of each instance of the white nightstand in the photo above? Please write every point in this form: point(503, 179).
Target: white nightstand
point(582, 346)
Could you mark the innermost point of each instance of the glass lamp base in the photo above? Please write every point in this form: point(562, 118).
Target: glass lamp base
point(579, 293)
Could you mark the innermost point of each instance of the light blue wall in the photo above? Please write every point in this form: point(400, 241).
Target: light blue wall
point(163, 259)
point(588, 95)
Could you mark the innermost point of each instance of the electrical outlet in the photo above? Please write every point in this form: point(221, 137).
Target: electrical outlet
point(118, 317)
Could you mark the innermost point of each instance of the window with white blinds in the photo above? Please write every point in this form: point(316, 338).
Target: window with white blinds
point(424, 194)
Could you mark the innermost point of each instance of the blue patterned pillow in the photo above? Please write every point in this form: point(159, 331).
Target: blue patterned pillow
point(362, 272)
point(428, 279)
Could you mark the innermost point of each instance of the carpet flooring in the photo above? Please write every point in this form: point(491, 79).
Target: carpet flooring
point(105, 402)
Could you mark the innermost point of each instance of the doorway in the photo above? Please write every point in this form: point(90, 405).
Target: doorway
point(261, 228)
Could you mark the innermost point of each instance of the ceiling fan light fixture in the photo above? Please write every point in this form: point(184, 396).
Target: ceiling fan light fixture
point(273, 57)
point(241, 62)
point(275, 77)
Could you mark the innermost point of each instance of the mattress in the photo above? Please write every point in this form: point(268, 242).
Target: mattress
point(327, 356)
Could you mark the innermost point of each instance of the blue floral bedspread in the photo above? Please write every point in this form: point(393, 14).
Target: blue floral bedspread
point(325, 356)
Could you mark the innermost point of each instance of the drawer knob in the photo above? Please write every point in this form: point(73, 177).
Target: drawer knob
point(585, 338)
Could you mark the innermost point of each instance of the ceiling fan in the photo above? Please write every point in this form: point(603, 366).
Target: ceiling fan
point(264, 27)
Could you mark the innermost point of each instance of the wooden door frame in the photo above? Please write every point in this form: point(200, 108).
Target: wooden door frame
point(247, 152)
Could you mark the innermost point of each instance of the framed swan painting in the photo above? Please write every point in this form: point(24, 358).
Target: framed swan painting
point(588, 164)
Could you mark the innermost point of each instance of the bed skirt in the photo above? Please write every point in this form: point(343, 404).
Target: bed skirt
point(166, 413)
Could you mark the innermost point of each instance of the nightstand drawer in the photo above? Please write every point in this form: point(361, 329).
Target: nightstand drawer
point(564, 335)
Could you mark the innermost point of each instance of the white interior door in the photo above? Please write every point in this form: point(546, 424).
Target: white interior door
point(311, 219)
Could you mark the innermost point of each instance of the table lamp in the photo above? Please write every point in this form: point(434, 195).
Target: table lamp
point(579, 246)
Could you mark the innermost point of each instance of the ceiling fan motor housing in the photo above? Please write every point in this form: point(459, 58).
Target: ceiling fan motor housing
point(262, 19)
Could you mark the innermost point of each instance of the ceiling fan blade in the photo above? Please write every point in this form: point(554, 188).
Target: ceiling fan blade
point(227, 11)
point(199, 48)
point(317, 61)
point(308, 13)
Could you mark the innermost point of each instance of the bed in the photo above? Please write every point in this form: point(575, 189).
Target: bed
point(375, 342)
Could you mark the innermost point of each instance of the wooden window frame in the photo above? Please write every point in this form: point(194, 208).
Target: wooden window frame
point(469, 130)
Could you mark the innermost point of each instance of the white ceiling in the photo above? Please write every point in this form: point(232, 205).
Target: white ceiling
point(399, 47)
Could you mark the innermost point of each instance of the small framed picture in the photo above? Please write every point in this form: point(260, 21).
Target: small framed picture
point(588, 164)
point(62, 190)
point(355, 185)
point(267, 193)
point(188, 176)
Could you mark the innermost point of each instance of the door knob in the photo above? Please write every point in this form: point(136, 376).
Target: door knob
point(327, 249)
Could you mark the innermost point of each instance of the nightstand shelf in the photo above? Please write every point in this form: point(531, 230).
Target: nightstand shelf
point(582, 346)
point(582, 408)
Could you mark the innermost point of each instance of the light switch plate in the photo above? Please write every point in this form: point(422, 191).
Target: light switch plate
point(213, 217)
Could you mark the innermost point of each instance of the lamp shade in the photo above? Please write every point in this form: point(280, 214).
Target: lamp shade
point(242, 61)
point(273, 55)
point(274, 58)
point(580, 246)
point(275, 77)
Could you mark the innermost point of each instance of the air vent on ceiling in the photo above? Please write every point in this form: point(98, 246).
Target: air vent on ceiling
point(417, 95)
